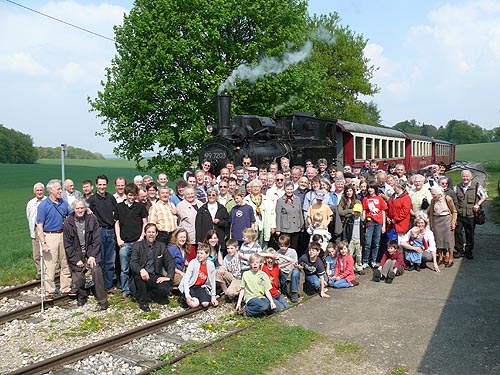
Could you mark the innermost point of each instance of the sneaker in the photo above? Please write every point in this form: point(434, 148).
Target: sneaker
point(390, 277)
point(374, 265)
point(144, 307)
point(417, 267)
point(365, 265)
point(376, 275)
point(295, 297)
point(354, 283)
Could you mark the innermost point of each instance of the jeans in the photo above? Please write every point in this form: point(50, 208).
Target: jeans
point(373, 232)
point(294, 280)
point(258, 306)
point(314, 282)
point(125, 252)
point(342, 283)
point(280, 302)
point(108, 256)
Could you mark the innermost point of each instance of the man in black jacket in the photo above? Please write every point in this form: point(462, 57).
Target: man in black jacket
point(148, 262)
point(82, 241)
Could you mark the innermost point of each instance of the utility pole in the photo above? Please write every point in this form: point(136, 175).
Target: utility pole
point(64, 147)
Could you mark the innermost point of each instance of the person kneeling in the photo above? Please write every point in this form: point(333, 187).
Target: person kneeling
point(148, 260)
point(391, 265)
point(256, 289)
point(198, 284)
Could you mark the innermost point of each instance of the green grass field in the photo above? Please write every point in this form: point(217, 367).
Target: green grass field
point(16, 186)
point(480, 152)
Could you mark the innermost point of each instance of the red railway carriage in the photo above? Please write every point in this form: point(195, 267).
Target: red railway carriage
point(361, 142)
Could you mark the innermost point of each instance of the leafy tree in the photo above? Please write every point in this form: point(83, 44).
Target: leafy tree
point(16, 147)
point(408, 126)
point(173, 55)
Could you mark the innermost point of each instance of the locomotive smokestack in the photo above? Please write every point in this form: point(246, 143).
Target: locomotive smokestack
point(224, 113)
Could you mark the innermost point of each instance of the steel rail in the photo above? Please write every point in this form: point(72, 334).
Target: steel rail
point(101, 345)
point(35, 307)
point(18, 289)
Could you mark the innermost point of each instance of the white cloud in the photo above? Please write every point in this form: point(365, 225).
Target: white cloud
point(447, 67)
point(21, 62)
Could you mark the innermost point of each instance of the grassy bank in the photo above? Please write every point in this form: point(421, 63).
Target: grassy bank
point(16, 185)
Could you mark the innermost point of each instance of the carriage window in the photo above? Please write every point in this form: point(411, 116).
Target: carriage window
point(391, 149)
point(376, 147)
point(369, 148)
point(401, 149)
point(359, 148)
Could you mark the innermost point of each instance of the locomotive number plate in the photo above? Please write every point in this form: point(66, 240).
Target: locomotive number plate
point(214, 155)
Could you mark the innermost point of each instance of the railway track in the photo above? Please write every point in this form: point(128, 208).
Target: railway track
point(116, 346)
point(16, 293)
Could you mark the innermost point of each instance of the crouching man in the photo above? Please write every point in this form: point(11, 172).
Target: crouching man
point(148, 262)
point(82, 243)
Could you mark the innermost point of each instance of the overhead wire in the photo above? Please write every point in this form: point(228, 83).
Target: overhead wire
point(59, 20)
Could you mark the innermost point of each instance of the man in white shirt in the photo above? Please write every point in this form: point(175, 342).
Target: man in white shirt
point(31, 210)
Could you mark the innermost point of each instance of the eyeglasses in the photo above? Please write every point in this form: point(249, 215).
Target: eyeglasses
point(223, 186)
point(212, 195)
point(280, 179)
point(246, 163)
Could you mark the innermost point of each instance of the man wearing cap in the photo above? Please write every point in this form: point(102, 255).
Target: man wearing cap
point(49, 222)
point(354, 234)
point(252, 173)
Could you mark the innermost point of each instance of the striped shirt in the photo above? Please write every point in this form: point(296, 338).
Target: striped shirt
point(161, 214)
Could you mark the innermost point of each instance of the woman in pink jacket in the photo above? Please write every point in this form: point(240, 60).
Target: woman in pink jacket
point(344, 270)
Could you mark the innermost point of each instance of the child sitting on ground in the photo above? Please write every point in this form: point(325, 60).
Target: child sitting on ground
point(198, 284)
point(331, 262)
point(228, 275)
point(256, 290)
point(344, 270)
point(248, 247)
point(271, 269)
point(391, 264)
point(314, 270)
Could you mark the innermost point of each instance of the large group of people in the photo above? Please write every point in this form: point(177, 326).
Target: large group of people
point(261, 235)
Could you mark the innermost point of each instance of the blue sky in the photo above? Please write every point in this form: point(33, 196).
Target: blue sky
point(436, 61)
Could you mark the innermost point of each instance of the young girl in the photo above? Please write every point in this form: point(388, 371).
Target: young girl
point(212, 240)
point(344, 270)
point(177, 248)
point(198, 284)
point(374, 208)
point(331, 263)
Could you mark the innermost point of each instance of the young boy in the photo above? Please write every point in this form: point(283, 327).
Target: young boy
point(391, 264)
point(229, 273)
point(241, 217)
point(314, 270)
point(354, 234)
point(287, 259)
point(271, 269)
point(198, 283)
point(248, 248)
point(256, 289)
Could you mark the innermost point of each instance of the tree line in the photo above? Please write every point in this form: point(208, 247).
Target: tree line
point(72, 153)
point(17, 148)
point(455, 131)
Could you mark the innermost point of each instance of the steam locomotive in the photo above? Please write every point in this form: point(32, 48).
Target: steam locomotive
point(302, 136)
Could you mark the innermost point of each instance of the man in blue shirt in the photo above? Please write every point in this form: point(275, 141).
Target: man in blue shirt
point(49, 221)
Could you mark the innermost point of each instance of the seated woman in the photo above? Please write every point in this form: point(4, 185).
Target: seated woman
point(198, 284)
point(178, 249)
point(420, 244)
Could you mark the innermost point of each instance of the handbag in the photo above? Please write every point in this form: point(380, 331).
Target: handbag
point(479, 216)
point(425, 204)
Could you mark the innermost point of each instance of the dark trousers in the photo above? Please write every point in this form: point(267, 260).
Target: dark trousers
point(164, 237)
point(78, 277)
point(158, 291)
point(464, 224)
